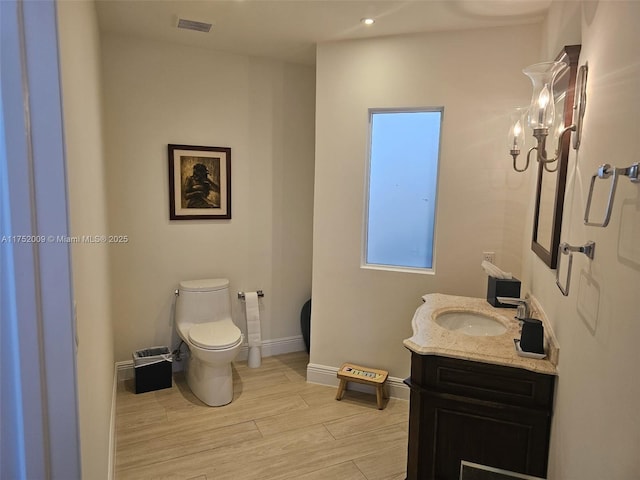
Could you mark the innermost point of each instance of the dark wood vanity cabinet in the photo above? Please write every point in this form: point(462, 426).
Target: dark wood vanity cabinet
point(487, 414)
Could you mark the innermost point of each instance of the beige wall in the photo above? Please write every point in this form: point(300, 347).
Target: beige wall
point(79, 45)
point(362, 315)
point(596, 425)
point(157, 94)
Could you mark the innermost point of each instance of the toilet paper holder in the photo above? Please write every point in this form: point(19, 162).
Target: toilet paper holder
point(241, 294)
point(565, 249)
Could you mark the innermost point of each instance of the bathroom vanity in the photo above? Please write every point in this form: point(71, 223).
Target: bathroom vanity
point(472, 397)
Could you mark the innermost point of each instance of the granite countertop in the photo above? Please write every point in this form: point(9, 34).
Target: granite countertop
point(429, 338)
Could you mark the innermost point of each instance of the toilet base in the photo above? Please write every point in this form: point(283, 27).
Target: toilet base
point(212, 384)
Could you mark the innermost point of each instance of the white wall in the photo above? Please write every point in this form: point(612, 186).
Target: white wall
point(596, 425)
point(156, 94)
point(79, 45)
point(362, 315)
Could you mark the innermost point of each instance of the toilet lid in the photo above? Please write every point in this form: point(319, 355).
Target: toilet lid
point(215, 335)
point(205, 285)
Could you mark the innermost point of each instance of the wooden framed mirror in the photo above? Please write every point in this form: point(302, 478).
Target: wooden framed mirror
point(547, 218)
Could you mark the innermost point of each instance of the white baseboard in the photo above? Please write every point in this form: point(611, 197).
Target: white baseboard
point(124, 370)
point(325, 375)
point(278, 346)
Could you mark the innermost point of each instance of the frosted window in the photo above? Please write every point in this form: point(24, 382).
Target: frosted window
point(403, 174)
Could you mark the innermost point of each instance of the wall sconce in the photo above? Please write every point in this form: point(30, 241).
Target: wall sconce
point(541, 114)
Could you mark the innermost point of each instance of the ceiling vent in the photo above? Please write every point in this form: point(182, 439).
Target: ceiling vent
point(193, 25)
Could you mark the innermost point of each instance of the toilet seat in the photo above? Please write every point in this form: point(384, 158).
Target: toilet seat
point(215, 335)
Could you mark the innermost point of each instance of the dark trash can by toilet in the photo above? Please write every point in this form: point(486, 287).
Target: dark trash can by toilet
point(305, 324)
point(152, 367)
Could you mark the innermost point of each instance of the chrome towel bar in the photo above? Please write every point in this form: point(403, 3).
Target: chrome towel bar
point(606, 171)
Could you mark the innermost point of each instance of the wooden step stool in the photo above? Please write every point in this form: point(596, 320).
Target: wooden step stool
point(369, 376)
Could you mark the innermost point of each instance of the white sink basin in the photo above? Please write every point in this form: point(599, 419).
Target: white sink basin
point(471, 323)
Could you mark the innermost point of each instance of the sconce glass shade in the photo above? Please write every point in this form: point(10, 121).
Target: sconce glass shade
point(542, 109)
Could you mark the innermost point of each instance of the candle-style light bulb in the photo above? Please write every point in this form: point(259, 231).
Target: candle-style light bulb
point(543, 98)
point(515, 134)
point(517, 129)
point(543, 101)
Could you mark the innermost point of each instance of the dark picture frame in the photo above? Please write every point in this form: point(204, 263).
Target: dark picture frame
point(199, 182)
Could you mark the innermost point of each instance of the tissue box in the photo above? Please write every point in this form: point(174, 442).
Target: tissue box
point(499, 287)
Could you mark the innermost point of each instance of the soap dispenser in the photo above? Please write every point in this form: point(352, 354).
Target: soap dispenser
point(532, 337)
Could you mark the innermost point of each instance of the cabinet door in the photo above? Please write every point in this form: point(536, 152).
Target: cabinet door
point(457, 428)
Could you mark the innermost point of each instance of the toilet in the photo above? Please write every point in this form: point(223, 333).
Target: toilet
point(203, 322)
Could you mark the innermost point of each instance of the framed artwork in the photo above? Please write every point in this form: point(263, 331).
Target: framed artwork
point(199, 182)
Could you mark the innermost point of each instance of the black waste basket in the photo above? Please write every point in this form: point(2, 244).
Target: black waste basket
point(152, 368)
point(305, 324)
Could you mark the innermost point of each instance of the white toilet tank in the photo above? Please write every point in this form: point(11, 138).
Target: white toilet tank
point(203, 301)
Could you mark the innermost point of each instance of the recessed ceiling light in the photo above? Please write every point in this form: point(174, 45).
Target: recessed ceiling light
point(368, 21)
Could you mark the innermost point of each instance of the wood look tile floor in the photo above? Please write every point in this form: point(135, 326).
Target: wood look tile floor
point(278, 427)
